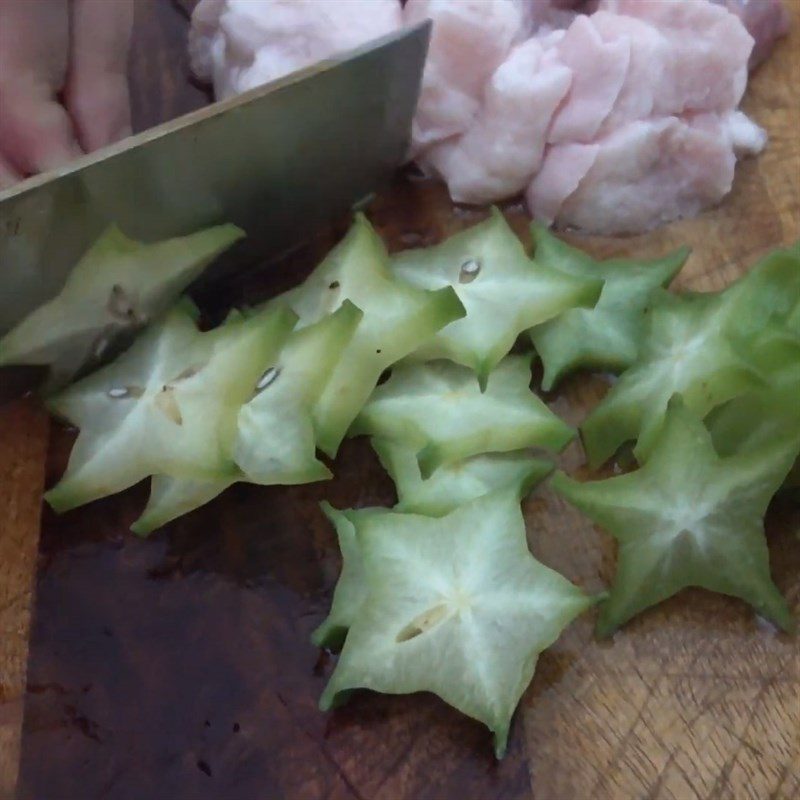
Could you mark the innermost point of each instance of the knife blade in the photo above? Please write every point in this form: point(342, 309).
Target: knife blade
point(276, 161)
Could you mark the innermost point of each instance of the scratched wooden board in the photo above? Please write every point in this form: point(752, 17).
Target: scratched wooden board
point(180, 667)
point(23, 445)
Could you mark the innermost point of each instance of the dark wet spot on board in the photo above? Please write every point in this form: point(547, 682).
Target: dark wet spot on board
point(236, 727)
point(207, 724)
point(203, 766)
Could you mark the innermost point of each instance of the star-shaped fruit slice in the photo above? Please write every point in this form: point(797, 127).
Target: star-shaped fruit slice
point(503, 291)
point(438, 409)
point(687, 517)
point(454, 484)
point(118, 286)
point(607, 336)
point(275, 441)
point(167, 405)
point(398, 318)
point(770, 412)
point(455, 605)
point(351, 590)
point(768, 293)
point(688, 349)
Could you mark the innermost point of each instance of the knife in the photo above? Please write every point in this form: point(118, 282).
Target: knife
point(276, 161)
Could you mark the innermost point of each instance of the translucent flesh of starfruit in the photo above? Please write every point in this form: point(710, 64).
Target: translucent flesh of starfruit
point(167, 406)
point(605, 337)
point(350, 591)
point(455, 484)
point(119, 285)
point(275, 441)
point(503, 291)
point(456, 606)
point(398, 318)
point(768, 293)
point(689, 348)
point(439, 409)
point(770, 413)
point(687, 517)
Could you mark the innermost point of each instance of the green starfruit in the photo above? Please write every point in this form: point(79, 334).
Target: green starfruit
point(439, 409)
point(456, 606)
point(687, 517)
point(503, 292)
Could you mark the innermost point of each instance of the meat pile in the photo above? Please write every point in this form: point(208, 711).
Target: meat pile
point(612, 116)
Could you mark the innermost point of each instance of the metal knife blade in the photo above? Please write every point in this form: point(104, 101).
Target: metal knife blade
point(276, 161)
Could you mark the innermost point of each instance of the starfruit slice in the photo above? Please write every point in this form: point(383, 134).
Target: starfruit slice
point(119, 285)
point(453, 485)
point(456, 606)
point(687, 518)
point(768, 293)
point(605, 337)
point(688, 349)
point(275, 441)
point(439, 409)
point(503, 291)
point(770, 412)
point(351, 590)
point(398, 318)
point(167, 405)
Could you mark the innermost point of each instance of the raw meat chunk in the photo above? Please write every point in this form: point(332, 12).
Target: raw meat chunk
point(693, 58)
point(611, 115)
point(641, 175)
point(241, 44)
point(766, 21)
point(470, 39)
point(599, 72)
point(562, 170)
point(205, 21)
point(503, 148)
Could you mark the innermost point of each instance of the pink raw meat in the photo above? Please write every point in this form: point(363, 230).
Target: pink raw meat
point(617, 115)
point(470, 39)
point(503, 148)
point(766, 21)
point(694, 58)
point(563, 168)
point(205, 21)
point(644, 174)
point(599, 69)
point(244, 43)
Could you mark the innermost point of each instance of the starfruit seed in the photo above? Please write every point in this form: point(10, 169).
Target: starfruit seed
point(268, 378)
point(424, 622)
point(469, 270)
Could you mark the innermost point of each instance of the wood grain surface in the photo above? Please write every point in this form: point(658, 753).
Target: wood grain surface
point(23, 446)
point(180, 666)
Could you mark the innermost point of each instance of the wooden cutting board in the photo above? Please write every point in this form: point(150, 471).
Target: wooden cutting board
point(180, 667)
